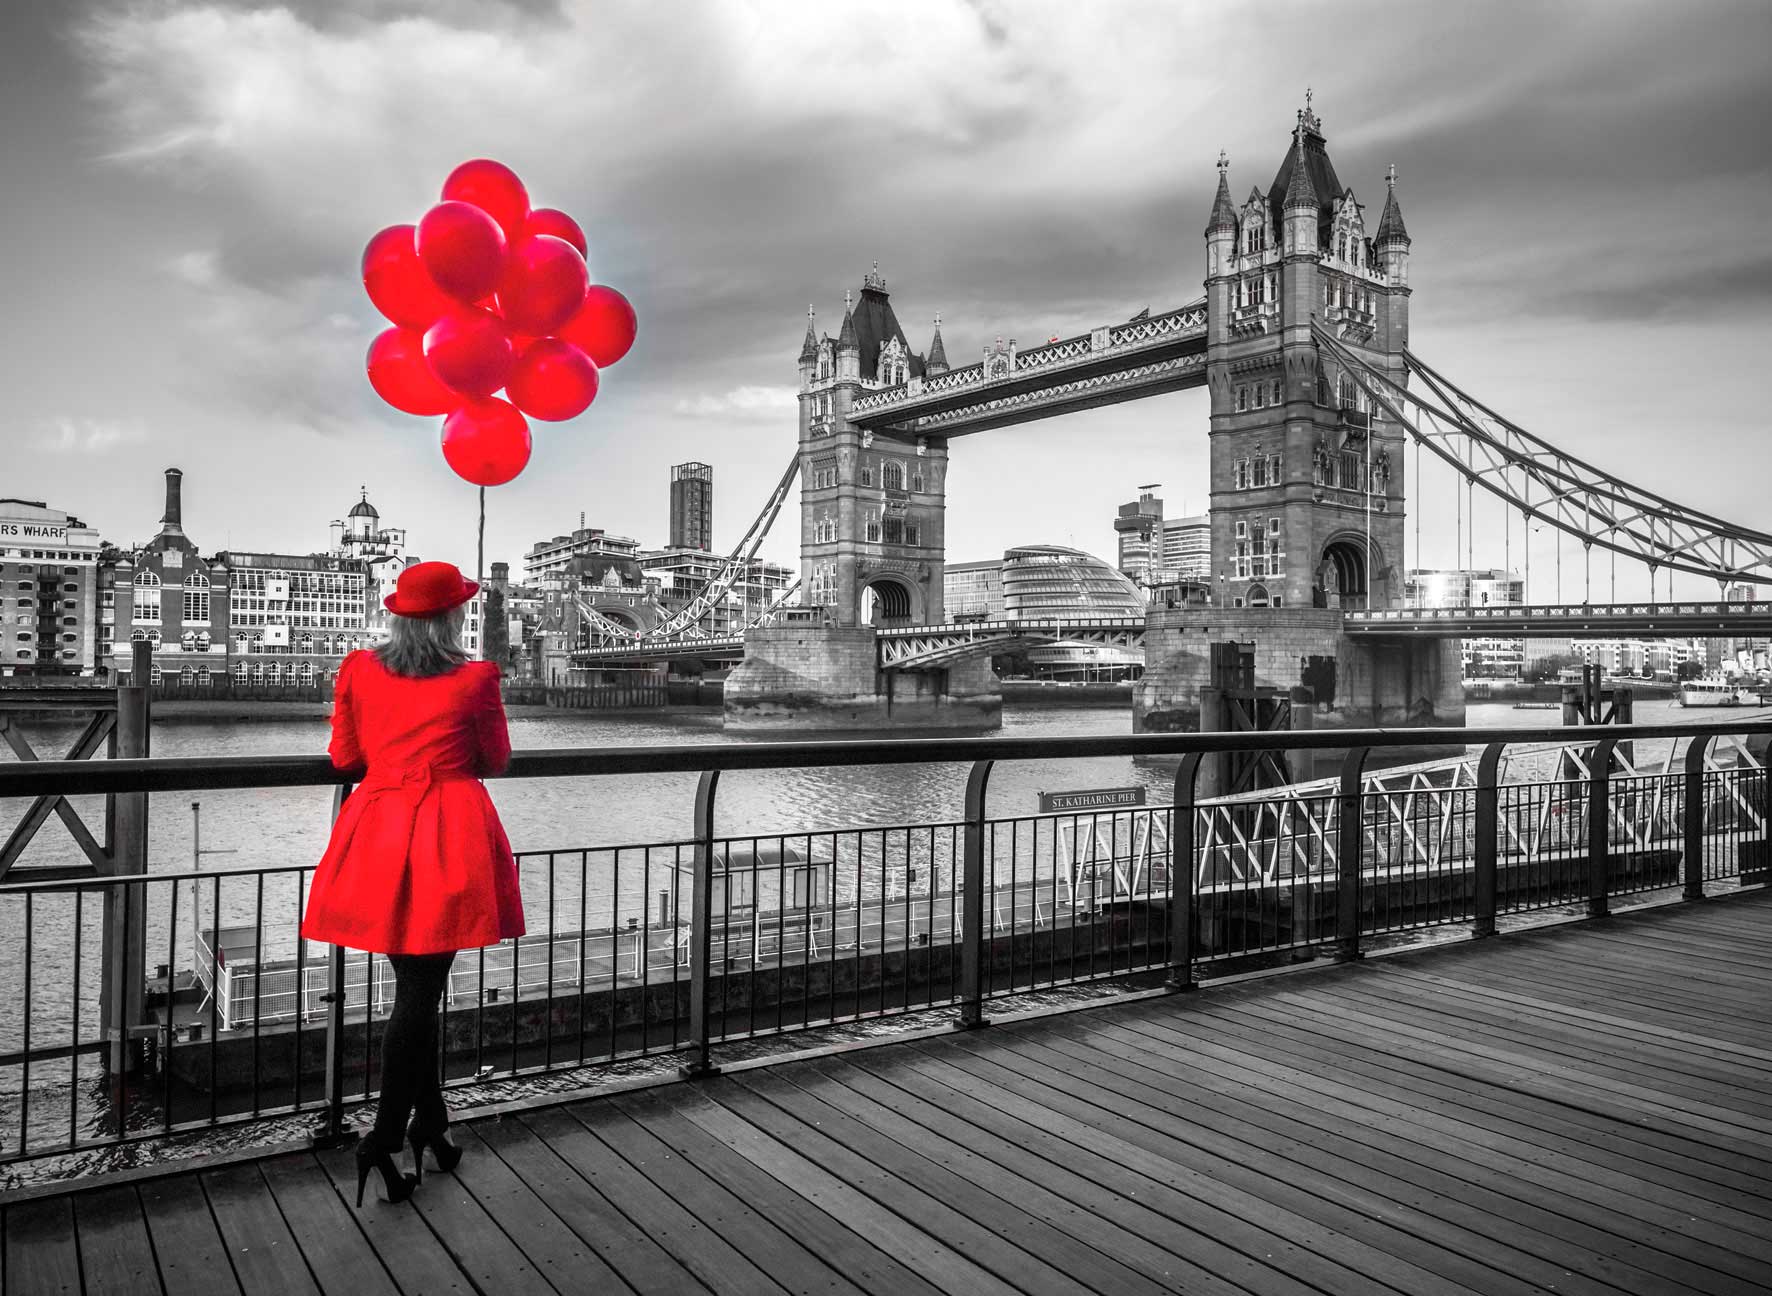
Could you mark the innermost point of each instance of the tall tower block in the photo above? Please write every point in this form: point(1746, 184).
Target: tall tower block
point(692, 506)
point(1307, 485)
point(872, 532)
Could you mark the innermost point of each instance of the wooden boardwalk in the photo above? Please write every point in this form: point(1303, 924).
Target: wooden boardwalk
point(1581, 1109)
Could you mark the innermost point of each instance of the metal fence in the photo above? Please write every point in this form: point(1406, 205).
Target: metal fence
point(678, 947)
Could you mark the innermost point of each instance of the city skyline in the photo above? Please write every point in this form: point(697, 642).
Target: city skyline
point(195, 182)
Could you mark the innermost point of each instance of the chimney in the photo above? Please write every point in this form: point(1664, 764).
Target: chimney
point(173, 518)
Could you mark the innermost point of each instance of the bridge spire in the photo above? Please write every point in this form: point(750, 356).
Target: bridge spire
point(1390, 225)
point(809, 348)
point(1224, 212)
point(938, 354)
point(846, 339)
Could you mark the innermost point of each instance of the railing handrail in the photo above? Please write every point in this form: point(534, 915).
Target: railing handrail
point(201, 773)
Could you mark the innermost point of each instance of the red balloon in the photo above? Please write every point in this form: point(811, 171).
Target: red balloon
point(462, 248)
point(470, 350)
point(604, 327)
point(495, 189)
point(400, 376)
point(553, 380)
point(486, 442)
point(397, 282)
point(551, 220)
point(544, 284)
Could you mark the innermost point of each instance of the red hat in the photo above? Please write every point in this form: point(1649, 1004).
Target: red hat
point(428, 588)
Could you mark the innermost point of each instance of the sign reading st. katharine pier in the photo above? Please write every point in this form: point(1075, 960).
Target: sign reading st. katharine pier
point(1096, 799)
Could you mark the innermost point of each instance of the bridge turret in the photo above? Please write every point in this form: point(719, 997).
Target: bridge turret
point(809, 352)
point(848, 346)
point(937, 363)
point(1221, 229)
point(1300, 209)
point(1392, 240)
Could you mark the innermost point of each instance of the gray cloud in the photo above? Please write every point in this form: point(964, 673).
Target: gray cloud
point(211, 171)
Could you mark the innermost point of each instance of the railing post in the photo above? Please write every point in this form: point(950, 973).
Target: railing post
point(1692, 819)
point(1488, 839)
point(124, 950)
point(972, 900)
point(332, 1125)
point(1599, 827)
point(1350, 847)
point(701, 928)
point(1182, 865)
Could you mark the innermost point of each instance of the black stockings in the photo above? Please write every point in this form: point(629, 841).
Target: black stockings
point(411, 1080)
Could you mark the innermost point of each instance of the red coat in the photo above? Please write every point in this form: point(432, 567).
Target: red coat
point(418, 862)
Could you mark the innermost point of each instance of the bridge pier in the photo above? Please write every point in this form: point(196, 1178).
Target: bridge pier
point(820, 678)
point(1351, 683)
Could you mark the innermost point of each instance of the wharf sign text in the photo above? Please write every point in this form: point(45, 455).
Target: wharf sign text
point(32, 531)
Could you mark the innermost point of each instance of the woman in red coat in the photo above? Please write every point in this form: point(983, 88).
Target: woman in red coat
point(418, 866)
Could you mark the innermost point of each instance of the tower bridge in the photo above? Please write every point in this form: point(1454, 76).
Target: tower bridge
point(1302, 341)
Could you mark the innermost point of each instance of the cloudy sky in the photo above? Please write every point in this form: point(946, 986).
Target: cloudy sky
point(188, 188)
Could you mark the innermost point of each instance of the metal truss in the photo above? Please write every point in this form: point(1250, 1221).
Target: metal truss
point(937, 647)
point(1113, 362)
point(1543, 482)
point(605, 630)
point(1421, 819)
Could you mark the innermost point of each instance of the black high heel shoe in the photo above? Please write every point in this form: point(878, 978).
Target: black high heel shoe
point(447, 1154)
point(370, 1156)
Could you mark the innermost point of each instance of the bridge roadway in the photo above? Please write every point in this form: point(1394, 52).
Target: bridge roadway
point(1581, 1108)
point(929, 647)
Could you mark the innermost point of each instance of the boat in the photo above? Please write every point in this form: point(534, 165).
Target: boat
point(1716, 691)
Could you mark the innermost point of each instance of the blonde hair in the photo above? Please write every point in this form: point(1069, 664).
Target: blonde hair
point(423, 646)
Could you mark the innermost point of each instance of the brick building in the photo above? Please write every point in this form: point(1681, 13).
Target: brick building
point(49, 591)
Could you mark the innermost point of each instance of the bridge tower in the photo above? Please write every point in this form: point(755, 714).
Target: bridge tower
point(1306, 481)
point(872, 531)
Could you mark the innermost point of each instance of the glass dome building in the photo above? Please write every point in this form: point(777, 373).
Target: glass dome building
point(1052, 583)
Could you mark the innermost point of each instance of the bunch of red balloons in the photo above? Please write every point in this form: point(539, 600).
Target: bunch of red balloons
point(487, 293)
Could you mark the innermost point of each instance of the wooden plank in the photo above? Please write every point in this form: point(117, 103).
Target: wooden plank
point(1005, 1257)
point(1359, 1229)
point(861, 1261)
point(557, 1253)
point(1031, 1156)
point(1572, 1173)
point(325, 1228)
point(1707, 1045)
point(624, 1246)
point(484, 1252)
point(747, 1227)
point(398, 1235)
point(949, 1268)
point(1611, 1223)
point(1724, 1177)
point(116, 1257)
point(193, 1258)
point(1520, 1066)
point(265, 1256)
point(42, 1256)
point(1357, 1164)
point(700, 1250)
point(1641, 1062)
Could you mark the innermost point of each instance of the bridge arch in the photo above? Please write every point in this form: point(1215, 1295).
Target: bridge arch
point(1340, 576)
point(889, 599)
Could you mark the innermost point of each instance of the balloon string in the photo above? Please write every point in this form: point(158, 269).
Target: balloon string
point(480, 551)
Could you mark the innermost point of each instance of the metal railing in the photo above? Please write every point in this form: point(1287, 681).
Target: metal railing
point(682, 946)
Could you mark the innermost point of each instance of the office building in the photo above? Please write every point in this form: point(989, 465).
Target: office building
point(973, 591)
point(692, 506)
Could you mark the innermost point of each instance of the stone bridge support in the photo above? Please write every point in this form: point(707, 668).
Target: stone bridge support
point(827, 678)
point(1353, 683)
